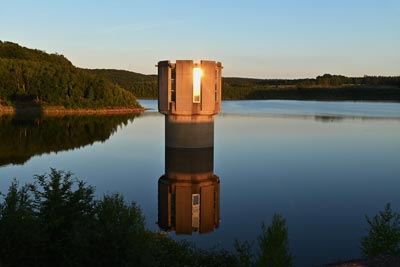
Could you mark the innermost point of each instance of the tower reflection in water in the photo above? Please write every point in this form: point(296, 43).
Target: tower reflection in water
point(189, 191)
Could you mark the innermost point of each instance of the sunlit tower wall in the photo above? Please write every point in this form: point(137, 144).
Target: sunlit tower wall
point(189, 93)
point(188, 193)
point(188, 88)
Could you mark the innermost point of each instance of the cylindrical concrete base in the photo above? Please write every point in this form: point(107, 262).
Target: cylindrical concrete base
point(189, 131)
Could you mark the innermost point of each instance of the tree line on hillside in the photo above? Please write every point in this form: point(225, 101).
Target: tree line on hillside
point(29, 75)
point(325, 87)
point(326, 80)
point(33, 76)
point(370, 93)
point(56, 221)
point(340, 80)
point(141, 85)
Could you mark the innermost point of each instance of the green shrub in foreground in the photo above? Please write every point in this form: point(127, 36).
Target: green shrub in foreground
point(56, 221)
point(383, 235)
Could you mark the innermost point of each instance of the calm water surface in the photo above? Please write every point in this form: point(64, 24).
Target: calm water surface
point(322, 165)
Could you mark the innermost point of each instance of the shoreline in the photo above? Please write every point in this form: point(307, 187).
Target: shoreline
point(7, 110)
point(306, 99)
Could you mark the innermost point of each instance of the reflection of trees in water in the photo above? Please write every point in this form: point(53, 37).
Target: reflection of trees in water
point(328, 118)
point(24, 137)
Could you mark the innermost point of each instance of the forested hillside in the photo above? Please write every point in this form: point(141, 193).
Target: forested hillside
point(325, 87)
point(30, 75)
point(141, 85)
point(33, 76)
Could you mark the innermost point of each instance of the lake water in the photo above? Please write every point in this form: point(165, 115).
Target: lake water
point(321, 165)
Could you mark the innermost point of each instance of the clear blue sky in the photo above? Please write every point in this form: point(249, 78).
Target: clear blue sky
point(266, 39)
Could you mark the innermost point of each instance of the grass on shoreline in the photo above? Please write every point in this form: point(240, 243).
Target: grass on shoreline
point(33, 108)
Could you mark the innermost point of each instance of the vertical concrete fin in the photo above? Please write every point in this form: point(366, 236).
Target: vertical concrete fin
point(208, 86)
point(184, 85)
point(183, 204)
point(207, 209)
point(216, 203)
point(218, 86)
point(164, 206)
point(164, 86)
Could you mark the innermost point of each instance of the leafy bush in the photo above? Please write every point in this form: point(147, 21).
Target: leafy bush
point(383, 235)
point(56, 221)
point(274, 244)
